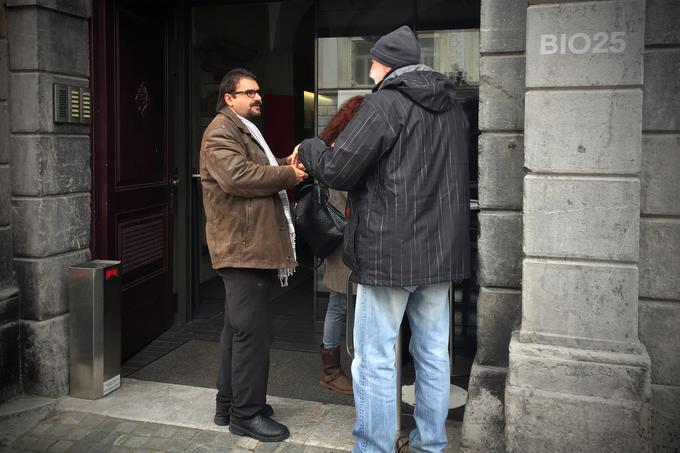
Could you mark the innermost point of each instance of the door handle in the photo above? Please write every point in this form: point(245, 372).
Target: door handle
point(175, 181)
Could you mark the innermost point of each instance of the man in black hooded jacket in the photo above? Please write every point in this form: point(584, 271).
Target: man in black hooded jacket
point(403, 160)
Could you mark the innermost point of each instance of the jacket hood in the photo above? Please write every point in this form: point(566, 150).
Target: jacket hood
point(423, 85)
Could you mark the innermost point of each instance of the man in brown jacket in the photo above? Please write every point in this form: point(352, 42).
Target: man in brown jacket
point(251, 241)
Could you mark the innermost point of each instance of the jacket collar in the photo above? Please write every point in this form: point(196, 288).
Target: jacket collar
point(398, 71)
point(229, 113)
point(233, 117)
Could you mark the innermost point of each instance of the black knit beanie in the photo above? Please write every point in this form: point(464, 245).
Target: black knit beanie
point(398, 48)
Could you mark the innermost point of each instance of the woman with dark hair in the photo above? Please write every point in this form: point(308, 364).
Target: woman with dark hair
point(336, 273)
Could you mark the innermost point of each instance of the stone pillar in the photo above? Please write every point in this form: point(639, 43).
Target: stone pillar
point(49, 43)
point(579, 378)
point(660, 219)
point(9, 295)
point(501, 160)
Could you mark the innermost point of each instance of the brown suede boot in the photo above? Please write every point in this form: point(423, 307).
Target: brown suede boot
point(332, 376)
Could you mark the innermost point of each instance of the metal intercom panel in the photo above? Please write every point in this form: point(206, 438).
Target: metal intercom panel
point(72, 104)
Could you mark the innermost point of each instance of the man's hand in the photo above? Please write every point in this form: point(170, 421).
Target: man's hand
point(300, 175)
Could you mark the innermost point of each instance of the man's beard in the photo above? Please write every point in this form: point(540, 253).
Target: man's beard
point(253, 113)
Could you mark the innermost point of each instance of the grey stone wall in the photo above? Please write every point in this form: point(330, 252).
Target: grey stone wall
point(578, 377)
point(659, 321)
point(50, 173)
point(501, 162)
point(10, 357)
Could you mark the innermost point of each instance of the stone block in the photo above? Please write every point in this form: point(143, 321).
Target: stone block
point(499, 312)
point(501, 171)
point(9, 306)
point(5, 193)
point(10, 365)
point(48, 164)
point(500, 249)
point(44, 284)
point(46, 40)
point(4, 133)
point(44, 368)
point(540, 422)
point(659, 332)
point(47, 226)
point(32, 103)
point(582, 300)
point(503, 25)
point(662, 19)
point(660, 258)
point(579, 371)
point(7, 278)
point(484, 421)
point(4, 69)
point(82, 8)
point(665, 418)
point(501, 93)
point(581, 217)
point(659, 184)
point(585, 44)
point(3, 22)
point(666, 398)
point(661, 109)
point(583, 131)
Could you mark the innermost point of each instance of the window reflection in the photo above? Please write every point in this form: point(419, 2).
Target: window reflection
point(344, 64)
point(454, 53)
point(361, 61)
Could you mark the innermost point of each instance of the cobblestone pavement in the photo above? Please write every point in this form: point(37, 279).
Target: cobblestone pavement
point(84, 432)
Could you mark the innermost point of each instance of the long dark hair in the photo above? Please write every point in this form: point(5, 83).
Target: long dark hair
point(340, 120)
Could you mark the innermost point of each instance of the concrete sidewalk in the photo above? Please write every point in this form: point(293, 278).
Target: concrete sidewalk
point(151, 416)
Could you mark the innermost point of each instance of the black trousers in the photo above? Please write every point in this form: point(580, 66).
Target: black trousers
point(245, 340)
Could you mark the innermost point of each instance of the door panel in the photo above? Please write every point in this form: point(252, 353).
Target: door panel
point(131, 163)
point(140, 153)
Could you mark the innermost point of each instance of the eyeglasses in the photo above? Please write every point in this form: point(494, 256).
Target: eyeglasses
point(249, 93)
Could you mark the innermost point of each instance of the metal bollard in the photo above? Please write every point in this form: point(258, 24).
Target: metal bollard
point(95, 338)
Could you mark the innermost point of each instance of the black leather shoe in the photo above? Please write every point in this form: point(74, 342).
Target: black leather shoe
point(222, 414)
point(259, 427)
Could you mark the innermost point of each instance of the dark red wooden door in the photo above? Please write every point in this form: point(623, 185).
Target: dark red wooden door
point(133, 212)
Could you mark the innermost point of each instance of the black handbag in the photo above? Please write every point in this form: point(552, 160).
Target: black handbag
point(317, 221)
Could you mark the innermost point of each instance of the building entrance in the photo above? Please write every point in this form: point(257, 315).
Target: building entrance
point(309, 57)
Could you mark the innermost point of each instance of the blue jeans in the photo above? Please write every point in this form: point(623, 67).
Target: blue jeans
point(336, 313)
point(379, 311)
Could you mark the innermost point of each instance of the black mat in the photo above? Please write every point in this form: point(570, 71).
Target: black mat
point(292, 374)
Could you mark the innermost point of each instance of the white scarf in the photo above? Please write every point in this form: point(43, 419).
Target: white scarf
point(286, 272)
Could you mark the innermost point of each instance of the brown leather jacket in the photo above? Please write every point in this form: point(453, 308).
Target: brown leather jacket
point(246, 226)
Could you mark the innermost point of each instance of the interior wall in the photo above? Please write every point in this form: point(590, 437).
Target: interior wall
point(266, 39)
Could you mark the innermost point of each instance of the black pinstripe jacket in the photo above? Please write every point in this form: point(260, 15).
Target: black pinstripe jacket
point(403, 160)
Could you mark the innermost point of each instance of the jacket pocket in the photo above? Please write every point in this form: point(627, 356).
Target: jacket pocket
point(247, 222)
point(350, 240)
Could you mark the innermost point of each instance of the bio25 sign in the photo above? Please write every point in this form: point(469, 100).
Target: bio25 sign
point(583, 43)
